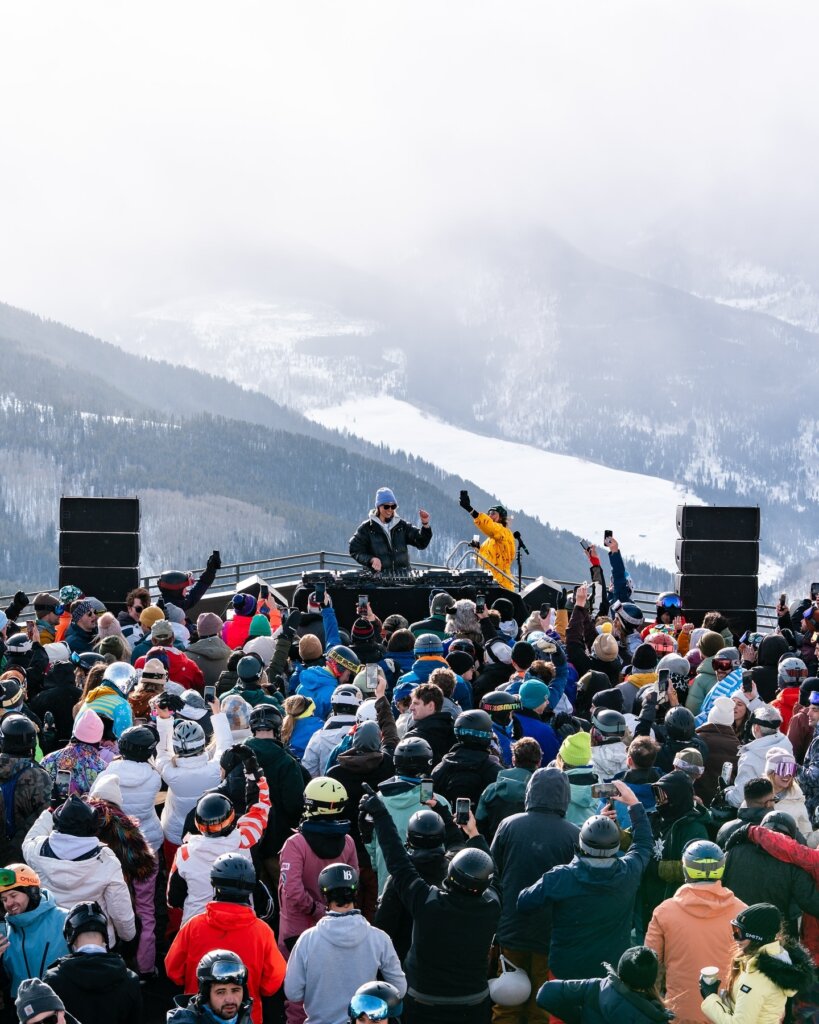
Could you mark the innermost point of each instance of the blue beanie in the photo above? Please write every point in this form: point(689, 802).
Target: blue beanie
point(384, 496)
point(533, 693)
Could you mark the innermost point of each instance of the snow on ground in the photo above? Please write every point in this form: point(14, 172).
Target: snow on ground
point(566, 492)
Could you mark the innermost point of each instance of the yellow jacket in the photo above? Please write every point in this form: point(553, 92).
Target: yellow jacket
point(762, 987)
point(498, 549)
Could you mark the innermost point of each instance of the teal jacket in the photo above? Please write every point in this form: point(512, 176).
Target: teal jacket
point(35, 941)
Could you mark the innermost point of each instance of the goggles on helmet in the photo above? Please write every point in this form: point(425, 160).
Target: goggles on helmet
point(722, 664)
point(226, 970)
point(669, 601)
point(372, 1006)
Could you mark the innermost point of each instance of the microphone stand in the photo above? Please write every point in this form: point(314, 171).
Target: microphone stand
point(521, 547)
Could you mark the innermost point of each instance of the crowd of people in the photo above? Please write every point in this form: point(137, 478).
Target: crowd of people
point(594, 815)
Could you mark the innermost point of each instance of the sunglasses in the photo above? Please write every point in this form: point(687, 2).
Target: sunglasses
point(393, 507)
point(138, 608)
point(52, 1018)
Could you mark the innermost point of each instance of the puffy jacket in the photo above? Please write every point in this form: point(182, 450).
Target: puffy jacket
point(211, 654)
point(236, 631)
point(762, 988)
point(107, 700)
point(664, 874)
point(501, 799)
point(187, 778)
point(35, 940)
point(599, 1002)
point(59, 695)
point(323, 742)
point(699, 688)
point(403, 799)
point(792, 801)
point(194, 858)
point(94, 875)
point(497, 550)
point(181, 668)
point(303, 729)
point(303, 857)
point(231, 926)
point(464, 772)
point(28, 789)
point(785, 702)
point(81, 759)
point(765, 672)
point(751, 763)
point(590, 922)
point(371, 540)
point(688, 931)
point(98, 987)
point(525, 847)
point(723, 745)
point(139, 783)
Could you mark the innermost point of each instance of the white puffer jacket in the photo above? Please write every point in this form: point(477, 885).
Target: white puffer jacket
point(95, 876)
point(187, 777)
point(322, 743)
point(139, 782)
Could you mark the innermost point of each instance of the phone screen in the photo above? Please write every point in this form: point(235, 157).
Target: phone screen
point(321, 588)
point(210, 693)
point(603, 790)
point(363, 601)
point(480, 602)
point(606, 538)
point(63, 781)
point(264, 591)
point(747, 685)
point(426, 790)
point(371, 677)
point(462, 809)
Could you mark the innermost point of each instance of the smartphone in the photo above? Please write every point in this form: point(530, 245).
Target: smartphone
point(363, 601)
point(747, 685)
point(370, 678)
point(476, 538)
point(426, 790)
point(215, 554)
point(585, 544)
point(63, 782)
point(607, 535)
point(462, 810)
point(604, 790)
point(321, 590)
point(783, 600)
point(545, 609)
point(264, 591)
point(480, 603)
point(726, 772)
point(210, 694)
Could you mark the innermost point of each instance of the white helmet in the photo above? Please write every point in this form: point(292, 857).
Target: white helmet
point(512, 987)
point(366, 713)
point(121, 675)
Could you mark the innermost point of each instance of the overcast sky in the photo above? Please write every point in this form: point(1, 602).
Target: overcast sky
point(137, 136)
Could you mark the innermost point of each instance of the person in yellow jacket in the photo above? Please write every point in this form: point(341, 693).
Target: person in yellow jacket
point(498, 550)
point(768, 970)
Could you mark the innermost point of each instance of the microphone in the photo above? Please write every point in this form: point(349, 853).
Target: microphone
point(519, 539)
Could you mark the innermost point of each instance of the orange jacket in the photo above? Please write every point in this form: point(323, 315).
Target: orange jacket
point(689, 931)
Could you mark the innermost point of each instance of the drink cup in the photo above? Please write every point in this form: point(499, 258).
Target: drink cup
point(709, 974)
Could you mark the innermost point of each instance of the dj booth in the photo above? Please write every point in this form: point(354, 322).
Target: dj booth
point(407, 594)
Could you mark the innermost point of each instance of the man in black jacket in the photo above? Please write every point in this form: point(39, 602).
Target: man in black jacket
point(452, 926)
point(525, 847)
point(429, 720)
point(93, 982)
point(380, 543)
point(468, 768)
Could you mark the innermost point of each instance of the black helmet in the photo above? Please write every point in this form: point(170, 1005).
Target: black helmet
point(462, 644)
point(338, 882)
point(470, 871)
point(266, 716)
point(610, 725)
point(425, 831)
point(500, 705)
point(474, 729)
point(412, 757)
point(215, 815)
point(679, 724)
point(233, 878)
point(220, 967)
point(780, 821)
point(138, 743)
point(18, 735)
point(599, 837)
point(669, 603)
point(378, 999)
point(87, 660)
point(85, 917)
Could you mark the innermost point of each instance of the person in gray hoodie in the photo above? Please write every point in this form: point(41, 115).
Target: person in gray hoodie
point(210, 652)
point(525, 847)
point(341, 952)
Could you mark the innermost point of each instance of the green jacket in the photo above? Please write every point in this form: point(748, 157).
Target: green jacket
point(286, 784)
point(664, 874)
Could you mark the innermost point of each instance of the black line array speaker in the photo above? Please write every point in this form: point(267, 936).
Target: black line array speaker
point(718, 555)
point(99, 547)
point(733, 557)
point(704, 522)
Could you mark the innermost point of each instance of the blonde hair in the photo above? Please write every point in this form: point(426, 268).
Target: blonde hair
point(294, 708)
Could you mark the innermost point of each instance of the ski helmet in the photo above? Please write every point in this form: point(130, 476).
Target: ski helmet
point(607, 726)
point(346, 699)
point(138, 743)
point(703, 861)
point(188, 738)
point(12, 694)
point(425, 831)
point(470, 871)
point(122, 676)
point(499, 705)
point(338, 883)
point(87, 916)
point(474, 729)
point(367, 712)
point(428, 644)
point(669, 603)
point(22, 878)
point(233, 878)
point(266, 717)
point(18, 736)
point(679, 724)
point(324, 796)
point(344, 659)
point(220, 967)
point(780, 821)
point(412, 757)
point(378, 999)
point(791, 672)
point(599, 837)
point(87, 660)
point(512, 987)
point(215, 815)
point(726, 659)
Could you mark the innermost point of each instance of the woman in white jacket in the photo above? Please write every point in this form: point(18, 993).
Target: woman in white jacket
point(139, 780)
point(74, 866)
point(780, 768)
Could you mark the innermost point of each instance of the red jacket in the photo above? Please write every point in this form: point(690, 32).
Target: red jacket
point(788, 850)
point(181, 668)
point(236, 631)
point(228, 926)
point(785, 702)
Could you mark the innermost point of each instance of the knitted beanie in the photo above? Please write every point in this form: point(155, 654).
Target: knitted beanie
point(363, 631)
point(523, 655)
point(80, 608)
point(533, 693)
point(575, 750)
point(645, 659)
point(208, 624)
point(638, 968)
point(35, 997)
point(604, 647)
point(711, 642)
point(148, 616)
point(722, 712)
point(310, 648)
point(259, 626)
point(88, 727)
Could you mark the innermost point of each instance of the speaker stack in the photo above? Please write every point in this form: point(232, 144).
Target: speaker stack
point(717, 554)
point(99, 547)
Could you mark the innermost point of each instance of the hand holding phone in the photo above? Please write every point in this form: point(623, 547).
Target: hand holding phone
point(480, 604)
point(607, 535)
point(370, 678)
point(463, 809)
point(63, 783)
point(426, 793)
point(363, 605)
point(210, 694)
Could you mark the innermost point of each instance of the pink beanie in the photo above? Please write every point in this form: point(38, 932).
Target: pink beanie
point(88, 727)
point(107, 625)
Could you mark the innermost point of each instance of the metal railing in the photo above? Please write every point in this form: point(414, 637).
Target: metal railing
point(283, 569)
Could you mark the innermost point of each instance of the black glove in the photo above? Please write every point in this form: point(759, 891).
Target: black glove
point(214, 563)
point(465, 503)
point(709, 988)
point(291, 622)
point(475, 544)
point(170, 701)
point(365, 827)
point(371, 803)
point(252, 769)
point(243, 753)
point(21, 600)
point(562, 597)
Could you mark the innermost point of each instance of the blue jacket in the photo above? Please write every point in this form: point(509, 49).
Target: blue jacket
point(423, 668)
point(600, 1002)
point(36, 940)
point(530, 725)
point(319, 682)
point(592, 905)
point(620, 589)
point(300, 736)
point(503, 734)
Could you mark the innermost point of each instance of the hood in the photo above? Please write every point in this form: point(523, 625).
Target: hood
point(789, 968)
point(609, 759)
point(619, 1005)
point(771, 650)
point(18, 922)
point(511, 784)
point(95, 972)
point(704, 899)
point(341, 930)
point(360, 762)
point(228, 918)
point(548, 790)
point(400, 794)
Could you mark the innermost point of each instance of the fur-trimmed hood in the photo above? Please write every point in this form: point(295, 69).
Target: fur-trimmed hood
point(789, 966)
point(123, 834)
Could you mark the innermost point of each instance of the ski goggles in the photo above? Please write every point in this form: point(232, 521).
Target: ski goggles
point(225, 971)
point(723, 665)
point(368, 1006)
point(785, 769)
point(669, 601)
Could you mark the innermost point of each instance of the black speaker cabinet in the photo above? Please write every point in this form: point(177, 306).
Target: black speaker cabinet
point(540, 591)
point(100, 515)
point(99, 549)
point(716, 592)
point(701, 522)
point(718, 557)
point(109, 584)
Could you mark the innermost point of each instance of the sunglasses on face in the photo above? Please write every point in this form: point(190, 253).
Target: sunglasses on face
point(52, 1018)
point(138, 608)
point(393, 507)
